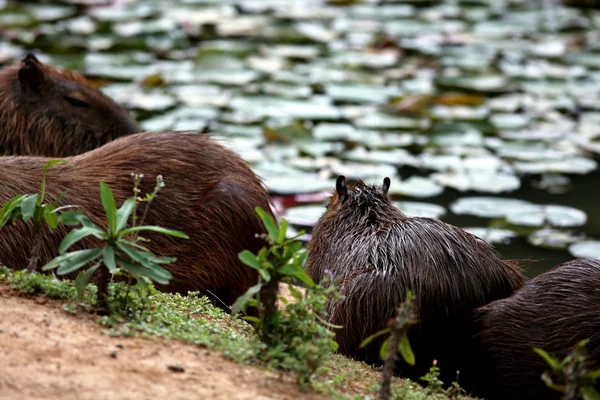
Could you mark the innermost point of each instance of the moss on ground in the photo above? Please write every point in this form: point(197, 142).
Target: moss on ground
point(194, 319)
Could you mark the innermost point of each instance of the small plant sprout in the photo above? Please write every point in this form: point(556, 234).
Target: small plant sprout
point(574, 378)
point(296, 338)
point(396, 342)
point(275, 262)
point(120, 252)
point(32, 208)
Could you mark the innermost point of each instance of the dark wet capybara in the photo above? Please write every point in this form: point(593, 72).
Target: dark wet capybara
point(553, 311)
point(378, 253)
point(54, 112)
point(210, 194)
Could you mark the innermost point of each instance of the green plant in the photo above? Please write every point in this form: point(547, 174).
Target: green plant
point(573, 376)
point(436, 385)
point(31, 207)
point(296, 338)
point(275, 263)
point(118, 253)
point(396, 342)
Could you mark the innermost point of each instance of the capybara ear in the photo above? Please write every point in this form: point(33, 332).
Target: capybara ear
point(386, 185)
point(340, 186)
point(31, 75)
point(30, 56)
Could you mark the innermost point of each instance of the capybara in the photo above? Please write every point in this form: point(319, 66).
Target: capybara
point(553, 311)
point(210, 194)
point(378, 253)
point(53, 112)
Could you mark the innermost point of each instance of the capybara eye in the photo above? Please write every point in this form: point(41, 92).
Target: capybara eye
point(76, 102)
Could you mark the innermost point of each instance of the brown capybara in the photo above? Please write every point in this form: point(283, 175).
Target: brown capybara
point(378, 253)
point(210, 194)
point(553, 311)
point(53, 112)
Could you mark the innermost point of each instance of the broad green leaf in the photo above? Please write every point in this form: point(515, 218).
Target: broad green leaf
point(154, 229)
point(298, 272)
point(76, 235)
point(51, 219)
point(76, 218)
point(146, 258)
point(157, 273)
point(124, 212)
point(370, 338)
point(282, 230)
point(406, 350)
point(8, 207)
point(551, 361)
point(589, 393)
point(243, 299)
point(248, 258)
point(250, 318)
point(108, 202)
point(109, 259)
point(384, 350)
point(28, 206)
point(302, 257)
point(77, 259)
point(593, 374)
point(265, 274)
point(82, 280)
point(268, 222)
point(292, 249)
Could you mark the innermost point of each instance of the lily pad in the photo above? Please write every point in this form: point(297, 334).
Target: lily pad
point(416, 186)
point(492, 235)
point(589, 249)
point(490, 207)
point(304, 215)
point(553, 239)
point(419, 209)
point(558, 216)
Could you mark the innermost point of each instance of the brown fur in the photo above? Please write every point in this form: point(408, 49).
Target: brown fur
point(53, 112)
point(210, 194)
point(554, 311)
point(378, 253)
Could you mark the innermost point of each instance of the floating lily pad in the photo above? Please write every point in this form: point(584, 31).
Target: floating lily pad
point(418, 209)
point(416, 186)
point(589, 249)
point(553, 239)
point(480, 84)
point(492, 235)
point(558, 216)
point(304, 215)
point(296, 184)
point(490, 207)
point(261, 106)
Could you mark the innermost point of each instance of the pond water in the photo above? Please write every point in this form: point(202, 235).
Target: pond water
point(483, 113)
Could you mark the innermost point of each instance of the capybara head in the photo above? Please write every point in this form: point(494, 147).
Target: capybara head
point(210, 194)
point(54, 112)
point(552, 311)
point(378, 253)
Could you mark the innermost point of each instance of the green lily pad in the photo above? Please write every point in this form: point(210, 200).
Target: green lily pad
point(304, 215)
point(416, 186)
point(553, 239)
point(418, 209)
point(492, 235)
point(490, 207)
point(589, 249)
point(558, 216)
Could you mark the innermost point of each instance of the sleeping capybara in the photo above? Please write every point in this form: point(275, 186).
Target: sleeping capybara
point(54, 112)
point(210, 194)
point(552, 311)
point(378, 253)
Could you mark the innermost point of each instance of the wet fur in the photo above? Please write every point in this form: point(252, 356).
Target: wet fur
point(554, 311)
point(210, 194)
point(378, 252)
point(54, 112)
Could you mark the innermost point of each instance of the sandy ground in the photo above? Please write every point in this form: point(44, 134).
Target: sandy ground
point(46, 353)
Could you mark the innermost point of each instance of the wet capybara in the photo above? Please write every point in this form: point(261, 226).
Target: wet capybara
point(553, 311)
point(53, 112)
point(210, 194)
point(378, 253)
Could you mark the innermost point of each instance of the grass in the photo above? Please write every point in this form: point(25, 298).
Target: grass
point(193, 319)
